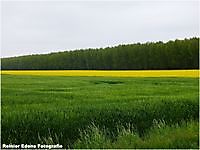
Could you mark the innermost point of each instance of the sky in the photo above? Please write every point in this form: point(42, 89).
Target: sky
point(38, 27)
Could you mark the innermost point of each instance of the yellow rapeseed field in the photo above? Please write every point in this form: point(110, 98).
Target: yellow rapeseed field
point(127, 73)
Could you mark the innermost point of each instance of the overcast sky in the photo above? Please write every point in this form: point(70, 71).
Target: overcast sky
point(34, 27)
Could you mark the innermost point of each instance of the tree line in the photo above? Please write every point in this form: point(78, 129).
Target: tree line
point(177, 54)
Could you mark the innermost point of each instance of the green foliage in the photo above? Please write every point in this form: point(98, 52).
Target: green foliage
point(38, 109)
point(161, 136)
point(92, 137)
point(178, 54)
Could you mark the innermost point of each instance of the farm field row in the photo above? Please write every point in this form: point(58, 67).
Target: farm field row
point(116, 73)
point(70, 110)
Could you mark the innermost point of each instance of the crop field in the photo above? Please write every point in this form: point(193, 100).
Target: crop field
point(101, 73)
point(102, 111)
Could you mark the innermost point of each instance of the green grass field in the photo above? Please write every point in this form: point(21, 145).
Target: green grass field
point(100, 112)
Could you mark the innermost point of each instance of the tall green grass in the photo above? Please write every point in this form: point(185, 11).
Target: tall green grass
point(55, 109)
point(160, 135)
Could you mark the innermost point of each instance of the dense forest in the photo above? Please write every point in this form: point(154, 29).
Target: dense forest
point(178, 54)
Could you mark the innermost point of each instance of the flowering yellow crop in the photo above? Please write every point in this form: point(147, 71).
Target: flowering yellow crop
point(128, 73)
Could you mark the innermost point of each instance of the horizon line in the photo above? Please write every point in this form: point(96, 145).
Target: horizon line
point(108, 46)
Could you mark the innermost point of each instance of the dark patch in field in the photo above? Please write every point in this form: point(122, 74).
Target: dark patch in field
point(107, 82)
point(55, 90)
point(156, 83)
